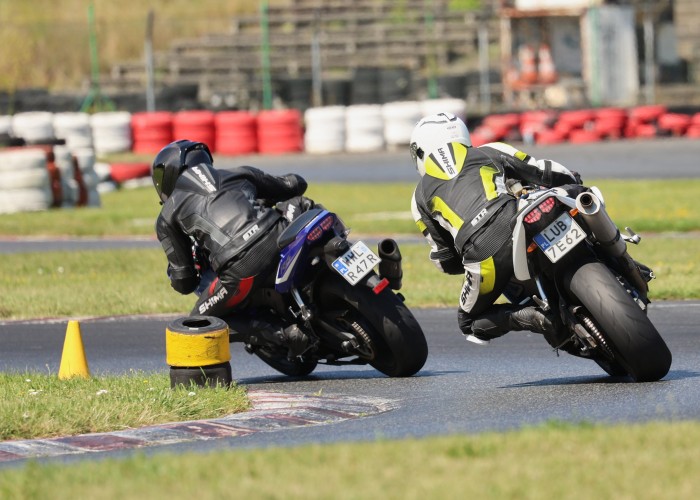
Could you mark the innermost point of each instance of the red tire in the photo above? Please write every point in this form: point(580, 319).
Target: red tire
point(236, 133)
point(676, 123)
point(581, 136)
point(197, 126)
point(151, 131)
point(280, 131)
point(549, 136)
point(121, 172)
point(647, 114)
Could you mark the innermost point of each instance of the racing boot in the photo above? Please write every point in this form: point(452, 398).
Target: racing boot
point(501, 319)
point(291, 337)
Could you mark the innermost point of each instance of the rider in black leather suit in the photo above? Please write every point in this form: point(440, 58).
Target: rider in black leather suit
point(224, 220)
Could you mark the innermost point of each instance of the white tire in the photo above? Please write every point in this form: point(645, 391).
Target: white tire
point(325, 129)
point(64, 160)
point(399, 120)
point(5, 125)
point(111, 132)
point(364, 128)
point(74, 129)
point(34, 126)
point(24, 200)
point(22, 159)
point(85, 157)
point(25, 179)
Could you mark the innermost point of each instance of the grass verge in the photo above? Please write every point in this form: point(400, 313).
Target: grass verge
point(116, 282)
point(555, 460)
point(651, 206)
point(34, 405)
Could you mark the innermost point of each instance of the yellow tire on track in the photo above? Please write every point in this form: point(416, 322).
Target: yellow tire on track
point(197, 350)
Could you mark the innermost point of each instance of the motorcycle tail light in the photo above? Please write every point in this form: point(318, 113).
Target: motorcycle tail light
point(533, 216)
point(547, 205)
point(327, 223)
point(315, 234)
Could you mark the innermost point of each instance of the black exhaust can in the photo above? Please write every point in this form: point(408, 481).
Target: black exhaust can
point(390, 266)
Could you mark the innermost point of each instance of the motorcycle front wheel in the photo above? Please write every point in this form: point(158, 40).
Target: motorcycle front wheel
point(390, 338)
point(634, 341)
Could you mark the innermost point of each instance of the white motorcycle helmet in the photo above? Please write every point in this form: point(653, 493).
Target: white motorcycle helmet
point(433, 131)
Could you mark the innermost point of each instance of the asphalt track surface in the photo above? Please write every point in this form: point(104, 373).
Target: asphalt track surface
point(514, 382)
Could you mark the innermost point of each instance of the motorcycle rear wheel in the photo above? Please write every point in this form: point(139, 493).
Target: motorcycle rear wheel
point(393, 340)
point(633, 339)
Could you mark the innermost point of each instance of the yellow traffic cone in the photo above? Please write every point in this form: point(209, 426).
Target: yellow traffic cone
point(73, 361)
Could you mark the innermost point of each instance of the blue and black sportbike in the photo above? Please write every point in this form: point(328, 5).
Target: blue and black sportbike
point(332, 302)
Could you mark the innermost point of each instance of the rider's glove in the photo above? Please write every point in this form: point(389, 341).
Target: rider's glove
point(296, 183)
point(291, 208)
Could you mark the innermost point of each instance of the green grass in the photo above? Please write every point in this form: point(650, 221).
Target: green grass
point(36, 405)
point(115, 282)
point(553, 461)
point(651, 206)
point(650, 461)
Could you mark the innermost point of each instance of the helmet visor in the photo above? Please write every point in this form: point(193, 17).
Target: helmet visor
point(158, 172)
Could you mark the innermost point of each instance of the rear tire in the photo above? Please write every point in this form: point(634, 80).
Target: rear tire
point(635, 342)
point(397, 345)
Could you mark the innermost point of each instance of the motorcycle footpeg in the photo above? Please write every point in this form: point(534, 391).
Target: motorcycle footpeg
point(543, 304)
point(631, 236)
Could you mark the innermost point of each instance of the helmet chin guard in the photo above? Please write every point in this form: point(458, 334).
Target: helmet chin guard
point(433, 131)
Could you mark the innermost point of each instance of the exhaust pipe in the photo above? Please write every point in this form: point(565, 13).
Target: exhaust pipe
point(598, 221)
point(390, 266)
point(608, 235)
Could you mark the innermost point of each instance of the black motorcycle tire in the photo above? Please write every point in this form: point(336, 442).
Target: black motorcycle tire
point(276, 357)
point(634, 340)
point(398, 343)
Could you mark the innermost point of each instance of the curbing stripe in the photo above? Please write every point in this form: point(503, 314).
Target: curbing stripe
point(271, 411)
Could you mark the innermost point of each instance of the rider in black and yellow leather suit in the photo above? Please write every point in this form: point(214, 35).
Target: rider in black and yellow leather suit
point(463, 205)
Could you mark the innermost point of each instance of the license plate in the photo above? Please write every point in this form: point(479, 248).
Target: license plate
point(560, 237)
point(356, 263)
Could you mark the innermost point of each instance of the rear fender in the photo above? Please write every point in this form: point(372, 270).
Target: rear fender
point(521, 268)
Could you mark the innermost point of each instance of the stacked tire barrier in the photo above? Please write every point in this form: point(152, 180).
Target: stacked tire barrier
point(151, 131)
point(325, 129)
point(57, 167)
point(41, 177)
point(587, 125)
point(364, 128)
point(280, 131)
point(111, 132)
point(197, 126)
point(25, 185)
point(74, 129)
point(236, 133)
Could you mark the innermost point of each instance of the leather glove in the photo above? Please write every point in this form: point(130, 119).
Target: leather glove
point(296, 183)
point(291, 208)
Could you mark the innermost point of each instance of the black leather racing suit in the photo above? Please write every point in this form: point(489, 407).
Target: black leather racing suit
point(229, 215)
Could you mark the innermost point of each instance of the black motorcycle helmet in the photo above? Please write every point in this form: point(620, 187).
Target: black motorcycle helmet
point(172, 160)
